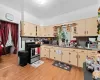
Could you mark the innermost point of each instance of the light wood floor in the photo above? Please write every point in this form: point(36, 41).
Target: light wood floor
point(10, 70)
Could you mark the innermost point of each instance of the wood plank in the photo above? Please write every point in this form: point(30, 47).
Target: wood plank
point(10, 70)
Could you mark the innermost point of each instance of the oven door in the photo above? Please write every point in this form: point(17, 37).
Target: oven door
point(32, 52)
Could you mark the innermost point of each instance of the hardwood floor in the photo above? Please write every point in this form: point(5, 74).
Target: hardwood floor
point(10, 70)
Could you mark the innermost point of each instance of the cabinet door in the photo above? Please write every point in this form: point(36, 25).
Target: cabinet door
point(82, 57)
point(73, 58)
point(38, 31)
point(92, 54)
point(32, 29)
point(52, 54)
point(25, 28)
point(65, 56)
point(50, 31)
point(57, 56)
point(42, 54)
point(43, 31)
point(47, 53)
point(91, 26)
point(79, 29)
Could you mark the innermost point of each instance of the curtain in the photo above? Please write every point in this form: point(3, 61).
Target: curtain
point(14, 34)
point(4, 31)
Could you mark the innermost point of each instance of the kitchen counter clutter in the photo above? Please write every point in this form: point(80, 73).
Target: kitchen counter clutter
point(83, 48)
point(73, 56)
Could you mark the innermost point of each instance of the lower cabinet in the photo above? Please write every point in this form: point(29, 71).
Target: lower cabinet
point(65, 56)
point(82, 54)
point(73, 58)
point(45, 52)
point(54, 55)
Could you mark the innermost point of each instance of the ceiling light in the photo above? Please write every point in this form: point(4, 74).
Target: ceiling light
point(42, 2)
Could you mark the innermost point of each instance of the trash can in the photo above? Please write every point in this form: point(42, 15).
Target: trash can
point(23, 58)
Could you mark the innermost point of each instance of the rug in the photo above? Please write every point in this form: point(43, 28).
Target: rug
point(62, 65)
point(37, 63)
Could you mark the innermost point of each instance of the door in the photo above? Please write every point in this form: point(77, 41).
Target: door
point(65, 56)
point(58, 55)
point(32, 29)
point(91, 26)
point(52, 54)
point(73, 58)
point(79, 29)
point(43, 31)
point(47, 55)
point(25, 28)
point(42, 54)
point(82, 54)
point(38, 31)
point(50, 32)
point(45, 52)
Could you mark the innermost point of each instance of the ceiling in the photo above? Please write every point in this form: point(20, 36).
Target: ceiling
point(51, 9)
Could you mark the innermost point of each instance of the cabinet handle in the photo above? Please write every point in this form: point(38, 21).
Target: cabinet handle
point(54, 57)
point(54, 51)
point(69, 53)
point(69, 61)
point(73, 50)
point(82, 51)
point(79, 56)
point(87, 32)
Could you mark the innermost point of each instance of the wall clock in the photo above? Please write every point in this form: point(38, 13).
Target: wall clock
point(9, 16)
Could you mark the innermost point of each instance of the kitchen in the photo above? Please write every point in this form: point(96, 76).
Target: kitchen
point(64, 34)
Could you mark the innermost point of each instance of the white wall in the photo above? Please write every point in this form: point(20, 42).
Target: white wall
point(87, 12)
point(17, 18)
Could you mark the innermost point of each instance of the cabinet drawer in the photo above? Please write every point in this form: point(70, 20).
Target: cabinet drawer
point(93, 52)
point(73, 50)
point(65, 49)
point(82, 51)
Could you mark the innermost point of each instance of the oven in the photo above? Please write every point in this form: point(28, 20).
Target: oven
point(33, 52)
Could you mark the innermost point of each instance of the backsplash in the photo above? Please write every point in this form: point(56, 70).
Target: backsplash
point(82, 40)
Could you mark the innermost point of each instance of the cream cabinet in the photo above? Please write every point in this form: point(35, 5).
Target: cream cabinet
point(92, 53)
point(43, 31)
point(91, 26)
point(82, 54)
point(65, 56)
point(73, 57)
point(28, 29)
point(85, 27)
point(45, 52)
point(54, 55)
point(80, 28)
point(38, 31)
point(50, 31)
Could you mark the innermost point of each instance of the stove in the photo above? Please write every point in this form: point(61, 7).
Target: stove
point(34, 53)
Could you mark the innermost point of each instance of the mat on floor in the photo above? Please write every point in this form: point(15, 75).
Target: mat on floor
point(62, 65)
point(37, 63)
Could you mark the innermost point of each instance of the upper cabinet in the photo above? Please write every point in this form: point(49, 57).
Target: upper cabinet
point(79, 29)
point(28, 29)
point(47, 31)
point(38, 31)
point(91, 26)
point(85, 27)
